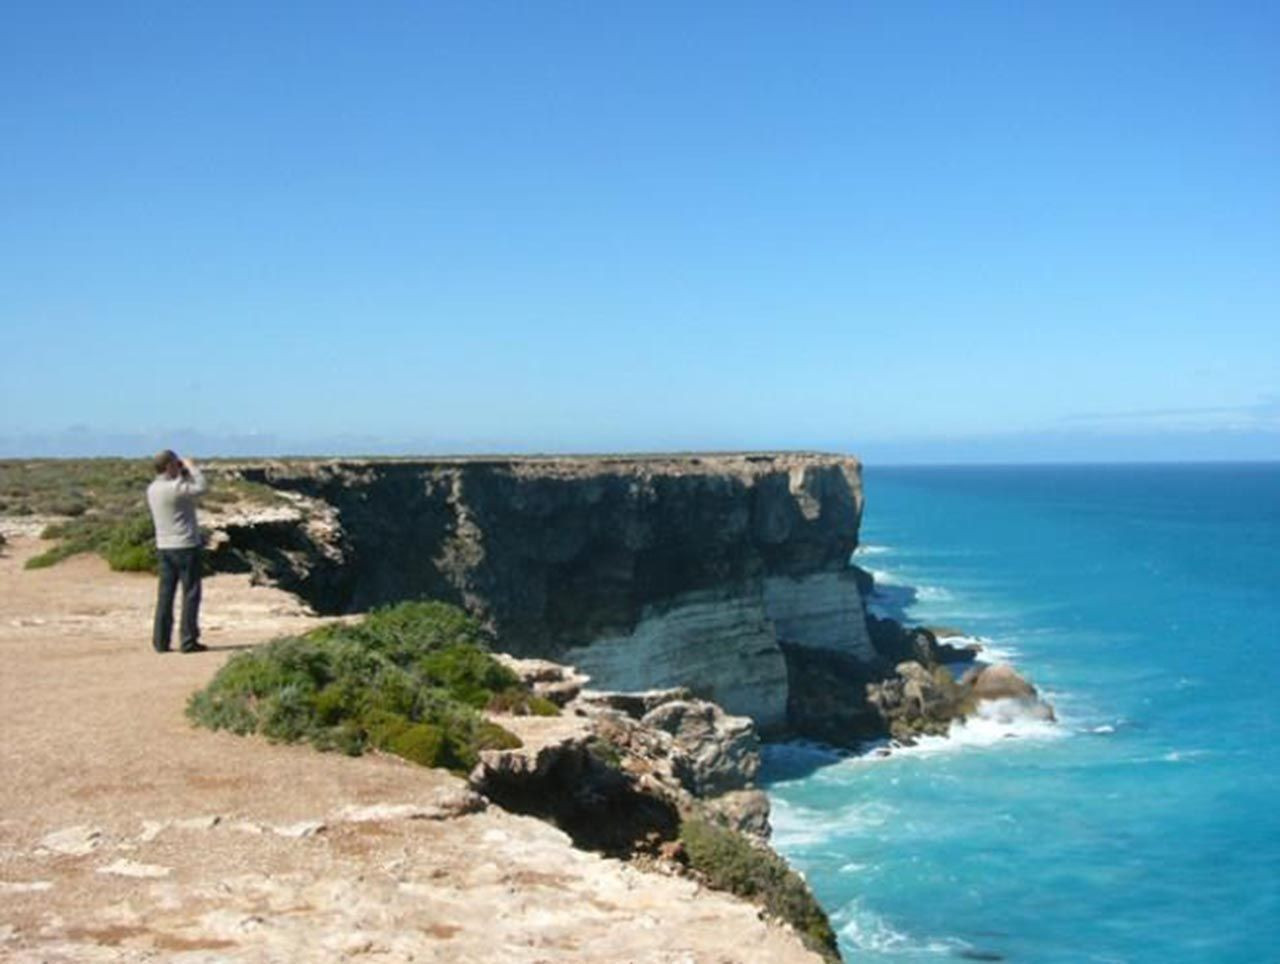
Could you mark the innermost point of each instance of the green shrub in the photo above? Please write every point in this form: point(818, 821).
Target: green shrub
point(132, 558)
point(381, 728)
point(43, 561)
point(128, 543)
point(728, 861)
point(518, 701)
point(130, 546)
point(422, 743)
point(410, 631)
point(468, 672)
point(606, 751)
point(407, 680)
point(491, 736)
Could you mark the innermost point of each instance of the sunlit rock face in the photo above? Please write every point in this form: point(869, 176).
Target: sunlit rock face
point(823, 610)
point(723, 648)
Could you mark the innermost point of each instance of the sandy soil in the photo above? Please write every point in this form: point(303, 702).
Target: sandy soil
point(126, 834)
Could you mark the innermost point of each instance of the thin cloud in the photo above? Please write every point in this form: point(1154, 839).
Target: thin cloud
point(1265, 409)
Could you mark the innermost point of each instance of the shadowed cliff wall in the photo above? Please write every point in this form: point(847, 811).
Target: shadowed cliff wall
point(644, 571)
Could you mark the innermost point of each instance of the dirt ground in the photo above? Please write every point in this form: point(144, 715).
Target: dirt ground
point(126, 834)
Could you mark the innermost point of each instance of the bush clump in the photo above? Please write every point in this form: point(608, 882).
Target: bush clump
point(518, 701)
point(409, 679)
point(728, 861)
point(128, 544)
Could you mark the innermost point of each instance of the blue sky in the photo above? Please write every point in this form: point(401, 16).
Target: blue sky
point(915, 231)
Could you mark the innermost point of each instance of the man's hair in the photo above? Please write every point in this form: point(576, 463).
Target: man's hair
point(163, 460)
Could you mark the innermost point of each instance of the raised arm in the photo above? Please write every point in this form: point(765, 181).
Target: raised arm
point(192, 481)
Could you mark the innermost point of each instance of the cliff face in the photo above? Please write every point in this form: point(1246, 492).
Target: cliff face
point(645, 572)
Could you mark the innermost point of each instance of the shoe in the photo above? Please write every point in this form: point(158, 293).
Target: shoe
point(159, 650)
point(196, 648)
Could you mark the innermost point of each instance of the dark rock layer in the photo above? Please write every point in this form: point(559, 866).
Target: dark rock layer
point(555, 552)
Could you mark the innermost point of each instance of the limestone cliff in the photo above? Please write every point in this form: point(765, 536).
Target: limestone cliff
point(645, 572)
point(729, 575)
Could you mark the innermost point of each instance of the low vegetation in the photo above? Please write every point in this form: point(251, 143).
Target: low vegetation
point(728, 861)
point(410, 679)
point(101, 506)
point(127, 544)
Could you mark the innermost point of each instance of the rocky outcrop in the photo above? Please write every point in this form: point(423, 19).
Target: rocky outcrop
point(721, 752)
point(909, 688)
point(999, 682)
point(919, 700)
point(619, 771)
point(894, 643)
point(924, 699)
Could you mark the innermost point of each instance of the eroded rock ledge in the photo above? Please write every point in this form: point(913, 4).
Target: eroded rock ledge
point(659, 777)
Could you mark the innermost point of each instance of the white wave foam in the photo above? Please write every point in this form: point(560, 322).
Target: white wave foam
point(994, 722)
point(797, 826)
point(1181, 756)
point(866, 930)
point(884, 577)
point(872, 550)
point(962, 639)
point(993, 652)
point(933, 594)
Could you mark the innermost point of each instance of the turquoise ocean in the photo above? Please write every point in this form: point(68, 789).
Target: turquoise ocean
point(1144, 825)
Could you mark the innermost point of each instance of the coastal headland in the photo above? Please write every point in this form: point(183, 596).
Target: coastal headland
point(706, 598)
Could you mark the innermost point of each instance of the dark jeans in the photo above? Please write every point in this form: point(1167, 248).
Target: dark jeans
point(178, 566)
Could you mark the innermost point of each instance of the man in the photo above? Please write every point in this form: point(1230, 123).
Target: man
point(172, 498)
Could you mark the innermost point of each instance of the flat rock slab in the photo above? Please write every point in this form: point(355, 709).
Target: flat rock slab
point(131, 868)
point(72, 841)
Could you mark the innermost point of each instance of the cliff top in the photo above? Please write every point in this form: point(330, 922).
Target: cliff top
point(667, 462)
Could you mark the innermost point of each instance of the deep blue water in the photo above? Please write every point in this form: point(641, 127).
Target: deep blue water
point(1145, 826)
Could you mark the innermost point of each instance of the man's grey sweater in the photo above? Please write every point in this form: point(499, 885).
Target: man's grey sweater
point(173, 509)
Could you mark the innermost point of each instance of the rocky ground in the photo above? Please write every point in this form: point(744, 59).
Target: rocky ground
point(126, 834)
